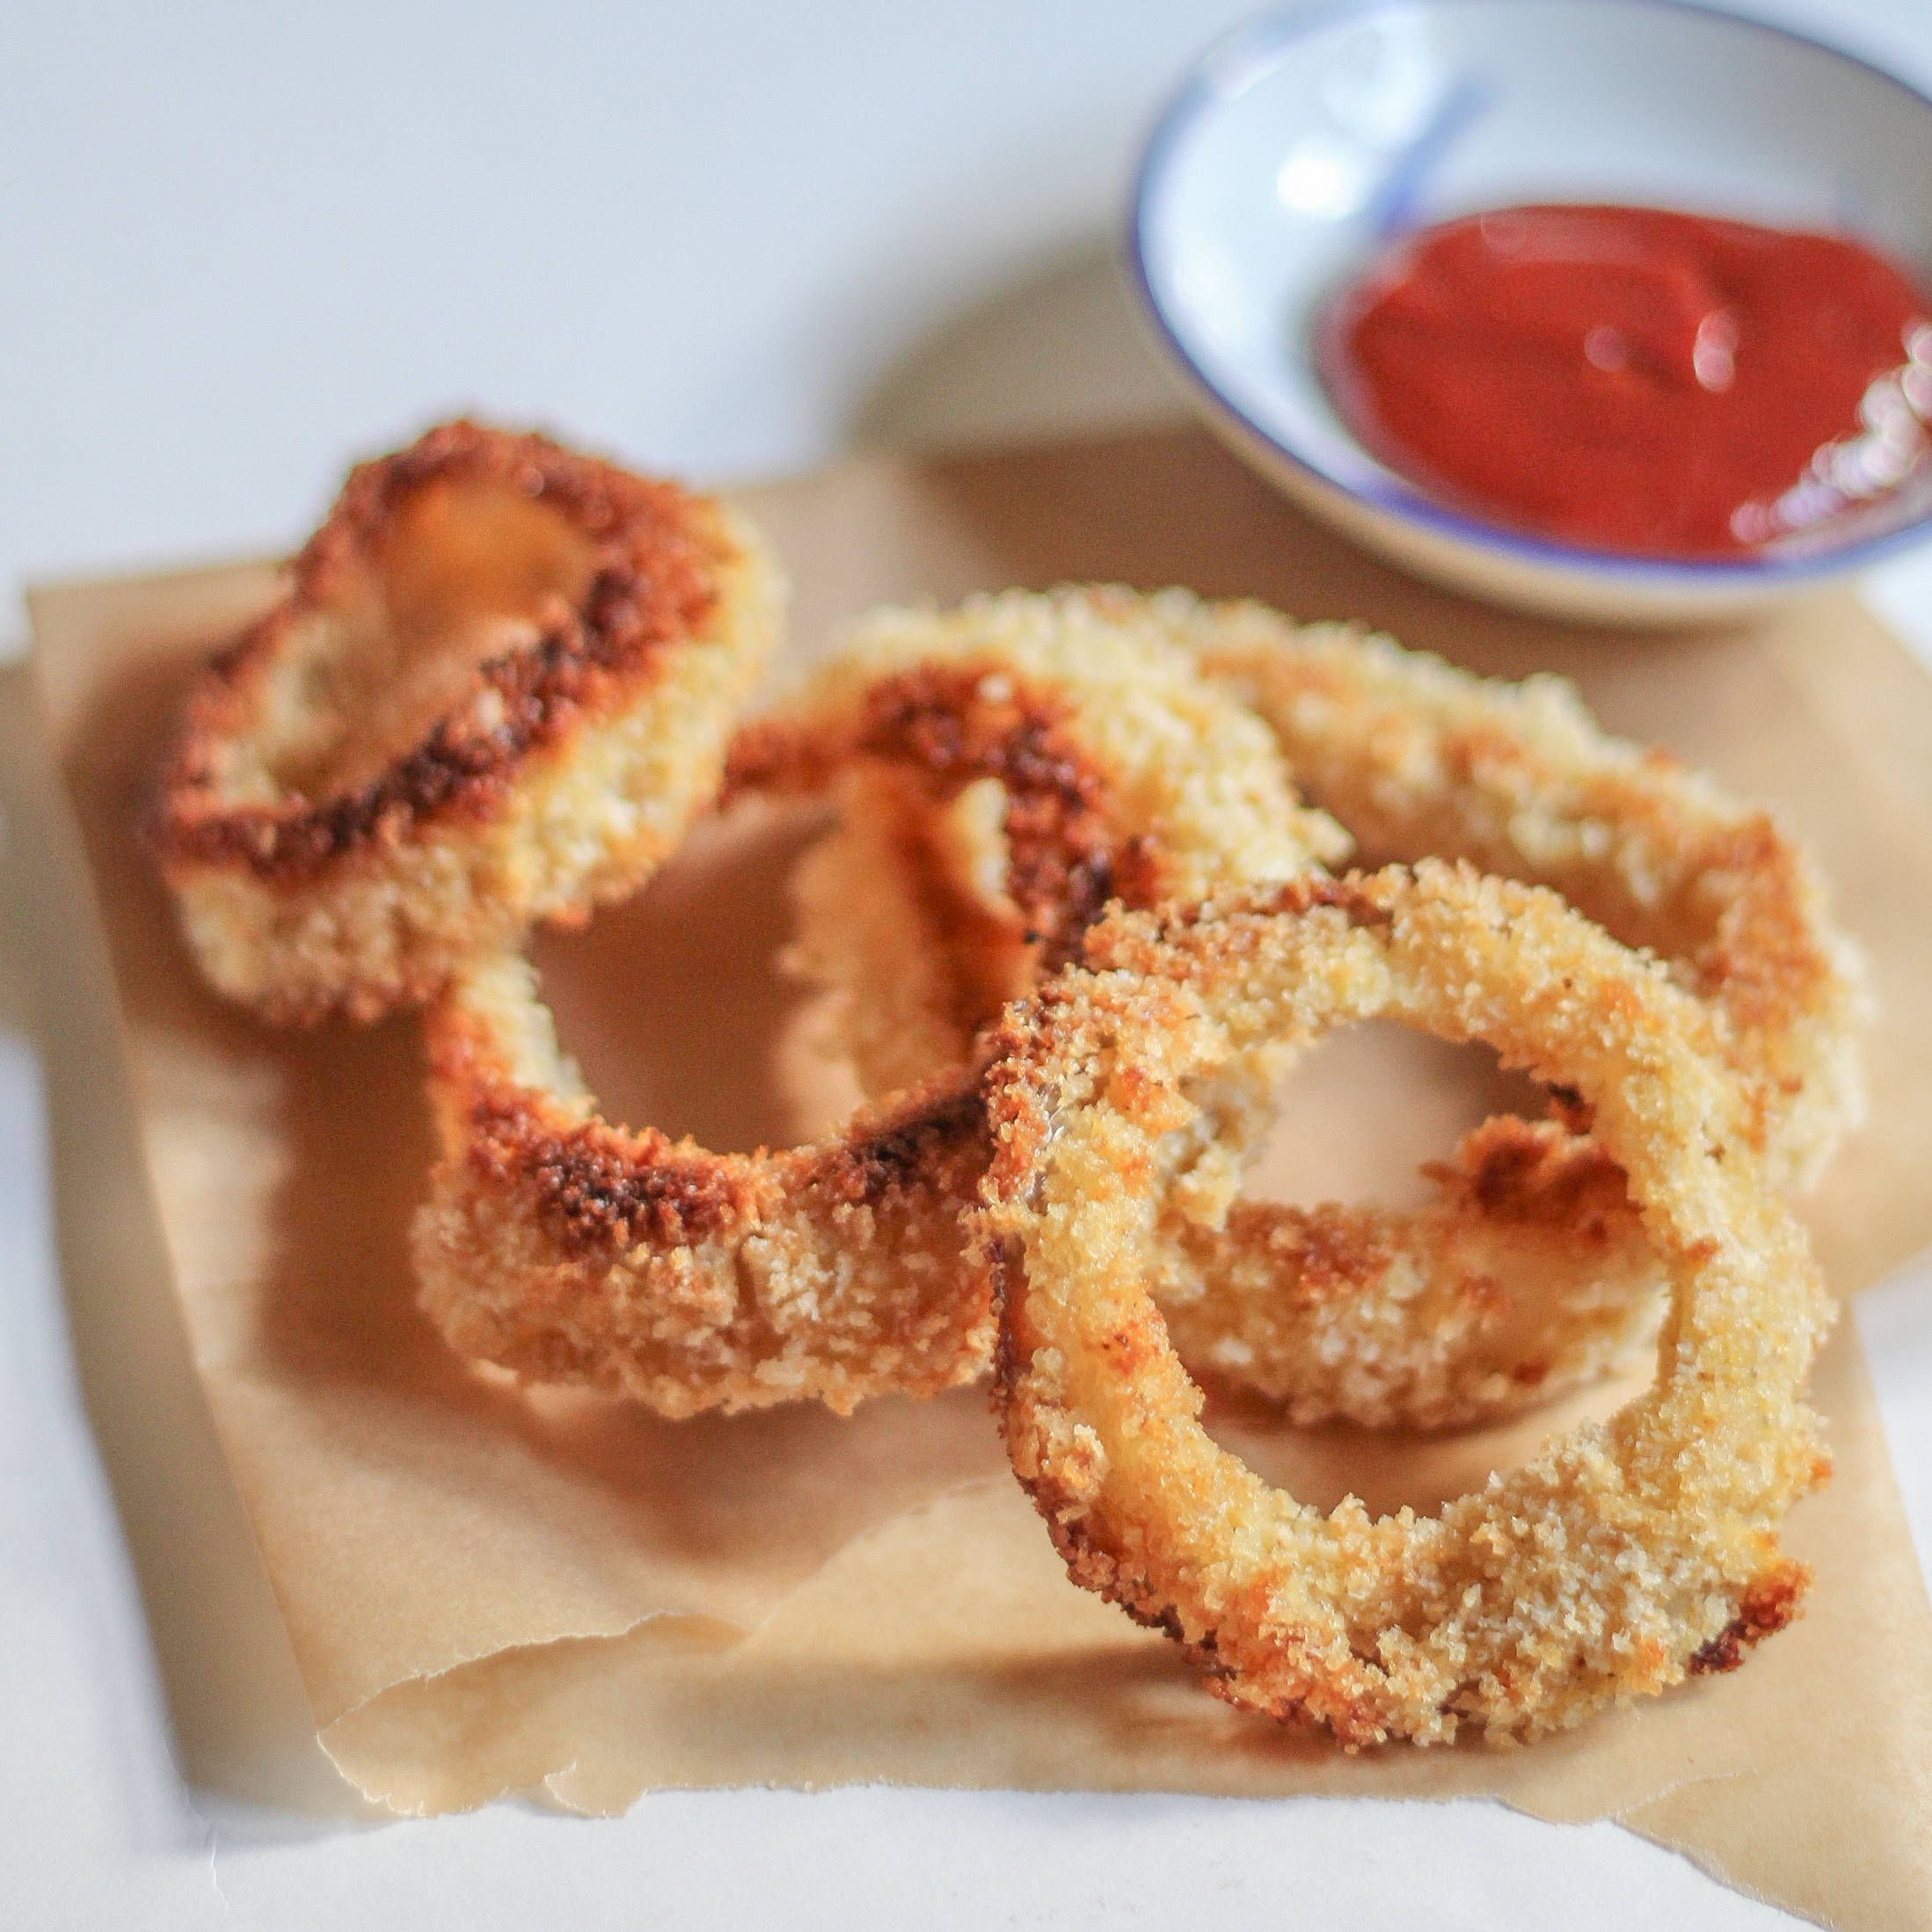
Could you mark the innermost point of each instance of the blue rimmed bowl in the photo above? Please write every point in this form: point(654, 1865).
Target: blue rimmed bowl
point(1305, 142)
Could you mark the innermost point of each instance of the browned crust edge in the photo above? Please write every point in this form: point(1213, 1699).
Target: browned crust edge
point(605, 1189)
point(660, 553)
point(567, 1249)
point(945, 727)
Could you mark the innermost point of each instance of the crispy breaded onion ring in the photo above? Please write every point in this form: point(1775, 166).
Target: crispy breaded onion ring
point(1623, 1555)
point(1417, 759)
point(1004, 770)
point(497, 691)
point(569, 1250)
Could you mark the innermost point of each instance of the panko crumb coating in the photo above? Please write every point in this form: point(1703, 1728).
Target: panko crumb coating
point(1620, 1557)
point(1003, 769)
point(1524, 1274)
point(1113, 772)
point(496, 691)
point(566, 1248)
point(1418, 759)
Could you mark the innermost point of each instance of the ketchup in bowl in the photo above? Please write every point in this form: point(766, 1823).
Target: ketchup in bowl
point(1637, 380)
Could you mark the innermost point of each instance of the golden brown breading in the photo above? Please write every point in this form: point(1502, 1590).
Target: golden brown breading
point(571, 1249)
point(497, 691)
point(1003, 769)
point(1524, 1274)
point(1527, 1273)
point(1622, 1555)
point(1417, 759)
point(567, 1249)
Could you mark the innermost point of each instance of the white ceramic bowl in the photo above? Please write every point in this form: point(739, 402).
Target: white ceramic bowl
point(1300, 145)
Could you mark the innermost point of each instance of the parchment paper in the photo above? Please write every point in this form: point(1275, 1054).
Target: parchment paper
point(489, 1590)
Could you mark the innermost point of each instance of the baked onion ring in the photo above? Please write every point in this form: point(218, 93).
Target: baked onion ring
point(1622, 1555)
point(497, 691)
point(1417, 759)
point(565, 1248)
point(933, 904)
point(1003, 769)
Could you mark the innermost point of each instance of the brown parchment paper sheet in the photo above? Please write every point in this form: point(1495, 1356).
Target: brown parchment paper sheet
point(490, 1590)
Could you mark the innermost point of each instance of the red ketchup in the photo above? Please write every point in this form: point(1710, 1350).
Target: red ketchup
point(1635, 380)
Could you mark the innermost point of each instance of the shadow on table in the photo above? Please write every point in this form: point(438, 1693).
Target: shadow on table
point(1056, 350)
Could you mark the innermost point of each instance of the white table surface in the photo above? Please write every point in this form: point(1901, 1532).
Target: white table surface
point(249, 243)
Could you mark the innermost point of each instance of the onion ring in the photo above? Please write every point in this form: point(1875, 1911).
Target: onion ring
point(496, 691)
point(1418, 759)
point(567, 1249)
point(1624, 1554)
point(1003, 769)
point(1527, 1272)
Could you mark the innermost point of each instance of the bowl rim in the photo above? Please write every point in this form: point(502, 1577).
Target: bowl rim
point(1258, 43)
